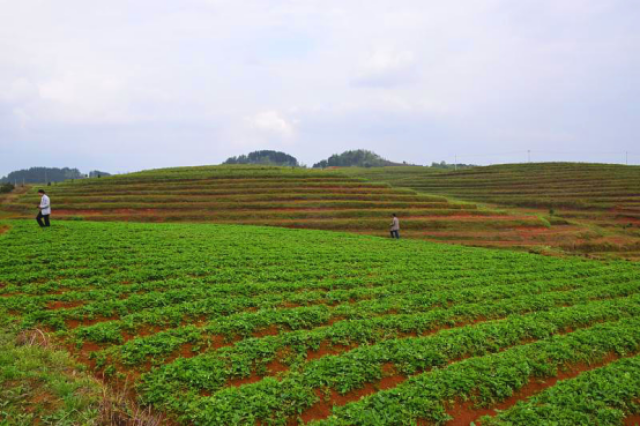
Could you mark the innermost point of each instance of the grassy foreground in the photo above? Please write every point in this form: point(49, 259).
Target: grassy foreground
point(42, 385)
point(234, 325)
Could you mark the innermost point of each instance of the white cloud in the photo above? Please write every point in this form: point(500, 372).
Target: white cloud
point(386, 67)
point(272, 123)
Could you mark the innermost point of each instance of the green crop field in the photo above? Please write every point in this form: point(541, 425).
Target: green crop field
point(241, 325)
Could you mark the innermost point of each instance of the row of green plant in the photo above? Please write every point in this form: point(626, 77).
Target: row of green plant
point(489, 379)
point(605, 396)
point(366, 322)
point(278, 399)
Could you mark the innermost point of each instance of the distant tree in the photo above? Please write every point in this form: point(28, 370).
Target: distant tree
point(265, 157)
point(97, 173)
point(6, 188)
point(356, 158)
point(446, 166)
point(42, 175)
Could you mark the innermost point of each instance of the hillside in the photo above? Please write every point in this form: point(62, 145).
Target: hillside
point(238, 325)
point(297, 198)
point(568, 186)
point(601, 201)
point(361, 200)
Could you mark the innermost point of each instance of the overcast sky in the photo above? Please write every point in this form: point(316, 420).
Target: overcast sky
point(125, 85)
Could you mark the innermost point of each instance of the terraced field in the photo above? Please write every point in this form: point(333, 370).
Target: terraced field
point(242, 325)
point(294, 198)
point(579, 186)
point(600, 202)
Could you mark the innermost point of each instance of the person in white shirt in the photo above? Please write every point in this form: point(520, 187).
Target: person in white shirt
point(395, 227)
point(45, 209)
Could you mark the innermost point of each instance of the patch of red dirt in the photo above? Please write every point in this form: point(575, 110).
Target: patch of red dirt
point(78, 212)
point(632, 420)
point(465, 413)
point(275, 367)
point(147, 330)
point(216, 342)
point(272, 330)
point(74, 323)
point(335, 319)
point(319, 410)
point(253, 378)
point(327, 348)
point(54, 306)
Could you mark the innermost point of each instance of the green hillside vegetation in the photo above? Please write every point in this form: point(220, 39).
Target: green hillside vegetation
point(357, 158)
point(241, 325)
point(262, 195)
point(6, 188)
point(600, 201)
point(538, 207)
point(266, 157)
point(544, 185)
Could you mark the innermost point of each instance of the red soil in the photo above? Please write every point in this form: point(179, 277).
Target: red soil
point(327, 348)
point(78, 212)
point(144, 331)
point(73, 323)
point(253, 378)
point(275, 367)
point(217, 342)
point(272, 330)
point(186, 351)
point(335, 319)
point(632, 420)
point(465, 413)
point(54, 306)
point(330, 398)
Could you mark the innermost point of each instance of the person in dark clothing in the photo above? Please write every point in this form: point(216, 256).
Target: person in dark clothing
point(395, 227)
point(45, 210)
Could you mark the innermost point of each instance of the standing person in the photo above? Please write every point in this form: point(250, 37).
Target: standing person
point(395, 227)
point(45, 209)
